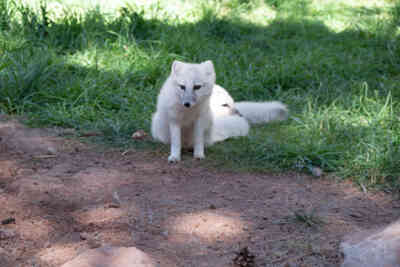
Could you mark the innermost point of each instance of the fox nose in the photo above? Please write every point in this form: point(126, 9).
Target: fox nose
point(186, 104)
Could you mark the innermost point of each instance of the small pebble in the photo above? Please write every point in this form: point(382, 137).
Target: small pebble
point(140, 134)
point(316, 171)
point(52, 150)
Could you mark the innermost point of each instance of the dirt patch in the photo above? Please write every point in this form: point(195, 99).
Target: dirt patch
point(60, 197)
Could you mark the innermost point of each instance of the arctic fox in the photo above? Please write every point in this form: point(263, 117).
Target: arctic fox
point(194, 112)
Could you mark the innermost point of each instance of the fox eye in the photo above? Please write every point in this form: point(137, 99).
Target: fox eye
point(196, 87)
point(182, 87)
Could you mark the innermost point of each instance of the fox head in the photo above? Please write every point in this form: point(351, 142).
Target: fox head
point(193, 82)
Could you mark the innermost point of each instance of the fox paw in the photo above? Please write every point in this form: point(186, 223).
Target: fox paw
point(173, 158)
point(199, 156)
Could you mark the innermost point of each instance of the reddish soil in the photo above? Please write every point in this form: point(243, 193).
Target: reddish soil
point(60, 197)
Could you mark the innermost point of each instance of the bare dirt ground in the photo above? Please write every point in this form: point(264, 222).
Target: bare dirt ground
point(60, 197)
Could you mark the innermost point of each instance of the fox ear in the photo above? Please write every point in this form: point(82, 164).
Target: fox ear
point(208, 67)
point(176, 66)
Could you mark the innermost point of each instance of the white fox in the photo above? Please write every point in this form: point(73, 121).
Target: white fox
point(194, 112)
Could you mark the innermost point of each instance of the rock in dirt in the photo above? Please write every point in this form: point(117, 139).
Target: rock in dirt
point(108, 256)
point(377, 249)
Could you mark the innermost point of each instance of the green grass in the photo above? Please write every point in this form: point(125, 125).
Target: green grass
point(309, 219)
point(336, 65)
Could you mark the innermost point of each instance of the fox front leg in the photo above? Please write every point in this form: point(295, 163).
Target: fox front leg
point(175, 133)
point(198, 144)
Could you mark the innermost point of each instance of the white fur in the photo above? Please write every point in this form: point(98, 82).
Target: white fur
point(192, 111)
point(229, 126)
point(219, 99)
point(262, 112)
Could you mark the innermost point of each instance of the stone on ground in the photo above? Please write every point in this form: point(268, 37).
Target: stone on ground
point(377, 249)
point(109, 256)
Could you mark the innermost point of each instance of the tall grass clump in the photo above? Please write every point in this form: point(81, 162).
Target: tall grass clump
point(334, 63)
point(6, 14)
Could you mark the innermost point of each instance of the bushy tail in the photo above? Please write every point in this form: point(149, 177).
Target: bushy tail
point(262, 112)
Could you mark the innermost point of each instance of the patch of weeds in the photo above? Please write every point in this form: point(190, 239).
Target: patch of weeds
point(32, 23)
point(244, 258)
point(21, 80)
point(310, 219)
point(220, 28)
point(291, 7)
point(131, 22)
point(6, 15)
